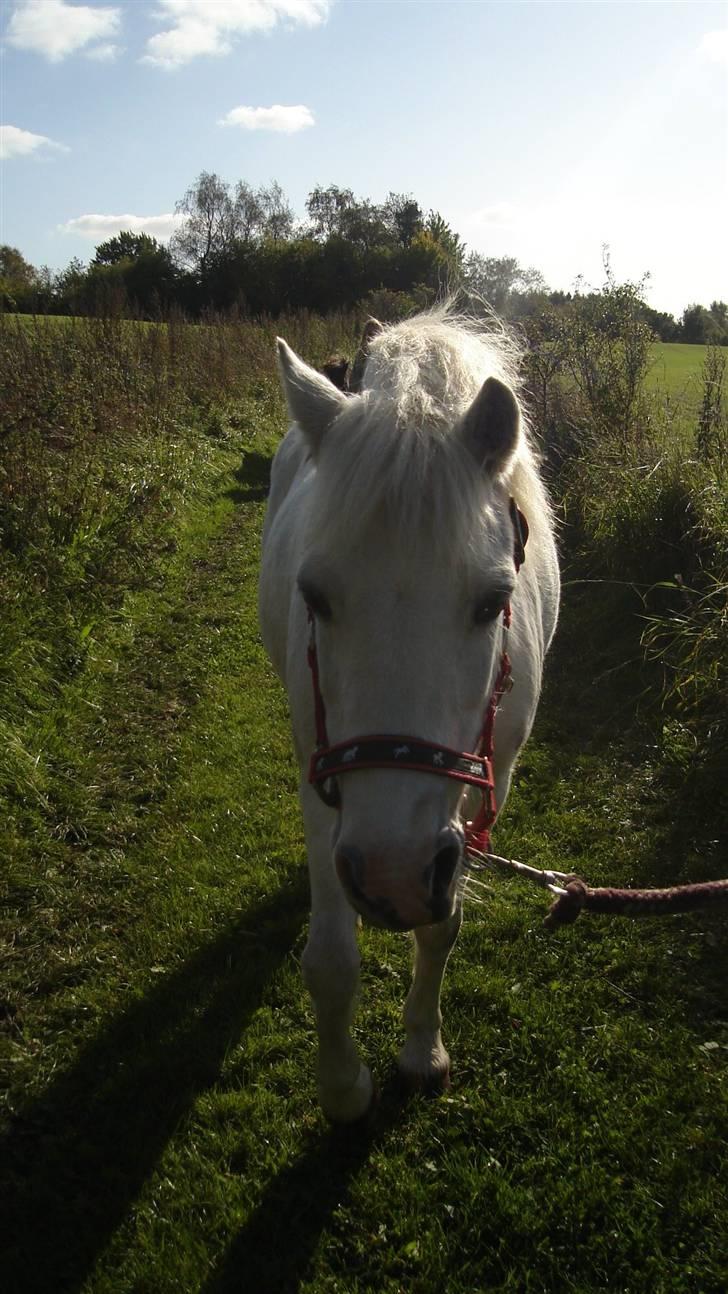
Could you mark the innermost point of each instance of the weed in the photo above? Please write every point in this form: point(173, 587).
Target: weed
point(712, 437)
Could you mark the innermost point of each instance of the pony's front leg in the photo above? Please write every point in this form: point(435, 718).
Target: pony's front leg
point(331, 973)
point(424, 1064)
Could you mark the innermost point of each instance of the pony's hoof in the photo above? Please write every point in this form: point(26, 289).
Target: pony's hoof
point(351, 1105)
point(432, 1082)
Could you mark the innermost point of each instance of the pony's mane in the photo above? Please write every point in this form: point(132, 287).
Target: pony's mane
point(432, 366)
point(394, 450)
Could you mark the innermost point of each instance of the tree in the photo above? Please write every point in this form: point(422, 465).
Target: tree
point(18, 279)
point(248, 213)
point(239, 247)
point(498, 279)
point(719, 316)
point(70, 288)
point(326, 208)
point(335, 212)
point(363, 226)
point(15, 269)
point(126, 246)
point(451, 243)
point(131, 270)
point(402, 217)
point(662, 324)
point(209, 222)
point(695, 324)
point(278, 218)
point(705, 327)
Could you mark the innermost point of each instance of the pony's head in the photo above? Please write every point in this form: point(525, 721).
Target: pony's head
point(406, 565)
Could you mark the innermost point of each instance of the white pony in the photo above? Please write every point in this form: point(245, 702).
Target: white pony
point(390, 555)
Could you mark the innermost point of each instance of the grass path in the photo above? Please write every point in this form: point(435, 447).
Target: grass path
point(163, 1134)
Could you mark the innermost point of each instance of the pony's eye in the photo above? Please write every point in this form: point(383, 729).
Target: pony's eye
point(489, 610)
point(316, 601)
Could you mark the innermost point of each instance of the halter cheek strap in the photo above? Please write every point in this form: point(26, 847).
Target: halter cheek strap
point(402, 751)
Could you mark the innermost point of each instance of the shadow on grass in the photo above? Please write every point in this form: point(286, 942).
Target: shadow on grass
point(274, 1249)
point(77, 1158)
point(601, 699)
point(253, 477)
point(596, 681)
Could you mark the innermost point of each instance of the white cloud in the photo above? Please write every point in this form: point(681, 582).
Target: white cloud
point(98, 228)
point(714, 46)
point(288, 120)
point(56, 29)
point(15, 142)
point(106, 53)
point(211, 26)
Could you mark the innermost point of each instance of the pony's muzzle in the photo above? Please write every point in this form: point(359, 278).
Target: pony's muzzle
point(394, 889)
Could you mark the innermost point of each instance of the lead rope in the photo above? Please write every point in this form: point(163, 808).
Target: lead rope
point(574, 896)
point(578, 897)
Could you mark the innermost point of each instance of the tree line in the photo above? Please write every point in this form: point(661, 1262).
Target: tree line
point(238, 248)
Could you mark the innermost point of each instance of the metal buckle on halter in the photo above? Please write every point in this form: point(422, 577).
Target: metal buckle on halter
point(327, 788)
point(327, 791)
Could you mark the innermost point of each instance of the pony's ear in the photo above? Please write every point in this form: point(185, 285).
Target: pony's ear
point(313, 401)
point(492, 425)
point(372, 329)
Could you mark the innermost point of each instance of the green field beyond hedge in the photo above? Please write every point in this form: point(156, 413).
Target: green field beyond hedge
point(677, 368)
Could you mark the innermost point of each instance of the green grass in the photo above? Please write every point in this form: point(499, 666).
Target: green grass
point(674, 384)
point(676, 370)
point(162, 1132)
point(157, 1049)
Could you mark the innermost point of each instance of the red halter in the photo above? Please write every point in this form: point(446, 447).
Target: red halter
point(399, 751)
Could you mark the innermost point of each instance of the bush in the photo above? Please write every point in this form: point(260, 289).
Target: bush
point(641, 503)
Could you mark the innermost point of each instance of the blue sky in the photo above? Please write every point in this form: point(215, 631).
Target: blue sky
point(539, 130)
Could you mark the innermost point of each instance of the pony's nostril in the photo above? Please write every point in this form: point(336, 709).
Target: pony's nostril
point(349, 863)
point(445, 862)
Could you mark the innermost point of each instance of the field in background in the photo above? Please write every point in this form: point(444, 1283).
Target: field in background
point(157, 1044)
point(677, 367)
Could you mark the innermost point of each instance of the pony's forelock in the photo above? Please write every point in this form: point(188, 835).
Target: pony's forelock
point(392, 454)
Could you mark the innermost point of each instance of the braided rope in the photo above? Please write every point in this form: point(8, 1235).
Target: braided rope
point(578, 896)
point(574, 896)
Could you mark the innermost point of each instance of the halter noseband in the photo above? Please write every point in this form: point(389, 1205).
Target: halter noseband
point(401, 751)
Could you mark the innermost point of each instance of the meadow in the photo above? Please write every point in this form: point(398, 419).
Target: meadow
point(160, 1127)
point(676, 368)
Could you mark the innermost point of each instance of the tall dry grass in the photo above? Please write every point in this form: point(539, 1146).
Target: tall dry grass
point(103, 421)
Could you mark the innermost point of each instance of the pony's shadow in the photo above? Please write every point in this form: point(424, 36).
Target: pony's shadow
point(305, 1193)
point(253, 479)
point(77, 1157)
